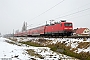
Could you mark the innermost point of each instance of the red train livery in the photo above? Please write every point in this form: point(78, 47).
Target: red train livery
point(63, 29)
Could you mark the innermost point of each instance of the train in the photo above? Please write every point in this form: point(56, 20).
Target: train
point(61, 28)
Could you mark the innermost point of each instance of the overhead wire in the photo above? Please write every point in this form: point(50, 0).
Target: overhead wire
point(48, 10)
point(73, 13)
point(64, 15)
point(79, 16)
point(78, 8)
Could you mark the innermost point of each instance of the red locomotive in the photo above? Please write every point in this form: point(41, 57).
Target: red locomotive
point(62, 29)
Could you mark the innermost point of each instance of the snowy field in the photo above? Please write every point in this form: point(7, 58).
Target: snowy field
point(15, 52)
point(68, 41)
point(11, 51)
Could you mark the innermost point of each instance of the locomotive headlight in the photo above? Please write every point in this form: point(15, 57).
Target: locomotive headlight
point(70, 28)
point(65, 28)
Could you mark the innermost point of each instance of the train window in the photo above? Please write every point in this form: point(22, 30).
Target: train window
point(68, 24)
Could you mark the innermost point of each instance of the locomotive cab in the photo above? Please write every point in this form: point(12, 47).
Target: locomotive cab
point(67, 28)
point(62, 28)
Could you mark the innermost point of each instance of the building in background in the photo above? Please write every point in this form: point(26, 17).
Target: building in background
point(81, 32)
point(24, 28)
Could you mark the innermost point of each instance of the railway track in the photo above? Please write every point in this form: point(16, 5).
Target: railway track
point(75, 37)
point(81, 37)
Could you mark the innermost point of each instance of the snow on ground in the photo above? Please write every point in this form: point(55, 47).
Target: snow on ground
point(83, 50)
point(68, 41)
point(11, 51)
point(19, 52)
point(72, 42)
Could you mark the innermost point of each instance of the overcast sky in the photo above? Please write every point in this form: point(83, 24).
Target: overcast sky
point(13, 13)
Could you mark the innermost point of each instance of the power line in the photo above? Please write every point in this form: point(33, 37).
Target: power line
point(73, 13)
point(48, 10)
point(78, 8)
point(79, 16)
point(64, 15)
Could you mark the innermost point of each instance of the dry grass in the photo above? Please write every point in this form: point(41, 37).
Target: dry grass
point(59, 47)
point(10, 42)
point(32, 53)
point(13, 42)
point(12, 39)
point(83, 45)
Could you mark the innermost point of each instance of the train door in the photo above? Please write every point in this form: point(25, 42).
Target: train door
point(61, 28)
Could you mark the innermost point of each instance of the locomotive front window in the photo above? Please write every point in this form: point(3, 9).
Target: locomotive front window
point(68, 24)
